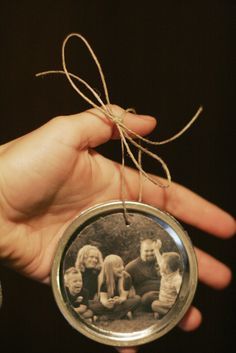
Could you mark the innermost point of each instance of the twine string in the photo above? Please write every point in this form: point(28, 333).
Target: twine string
point(126, 134)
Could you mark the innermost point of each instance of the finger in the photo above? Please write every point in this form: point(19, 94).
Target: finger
point(127, 349)
point(211, 271)
point(195, 210)
point(92, 128)
point(192, 320)
point(183, 204)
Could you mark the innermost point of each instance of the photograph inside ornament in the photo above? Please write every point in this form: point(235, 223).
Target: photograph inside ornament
point(124, 277)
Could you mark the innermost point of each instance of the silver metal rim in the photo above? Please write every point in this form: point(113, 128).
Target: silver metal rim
point(185, 297)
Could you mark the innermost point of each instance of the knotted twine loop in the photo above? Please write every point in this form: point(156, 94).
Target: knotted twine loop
point(124, 131)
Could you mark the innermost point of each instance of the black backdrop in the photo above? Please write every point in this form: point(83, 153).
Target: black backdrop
point(164, 58)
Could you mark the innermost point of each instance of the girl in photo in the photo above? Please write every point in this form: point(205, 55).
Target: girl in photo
point(89, 263)
point(115, 286)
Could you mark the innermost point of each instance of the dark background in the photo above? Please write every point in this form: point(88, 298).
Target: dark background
point(164, 58)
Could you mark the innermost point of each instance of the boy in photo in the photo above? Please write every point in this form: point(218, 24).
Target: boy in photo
point(77, 295)
point(171, 280)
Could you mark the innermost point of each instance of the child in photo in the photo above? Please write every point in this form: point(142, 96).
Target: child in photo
point(89, 262)
point(115, 286)
point(171, 280)
point(78, 296)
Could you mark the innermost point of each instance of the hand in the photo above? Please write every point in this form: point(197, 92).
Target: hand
point(110, 303)
point(118, 300)
point(79, 299)
point(52, 174)
point(157, 244)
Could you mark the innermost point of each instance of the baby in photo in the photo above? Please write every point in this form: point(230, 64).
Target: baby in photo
point(78, 296)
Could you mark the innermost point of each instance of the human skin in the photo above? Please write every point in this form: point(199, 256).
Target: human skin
point(75, 283)
point(91, 260)
point(53, 173)
point(147, 252)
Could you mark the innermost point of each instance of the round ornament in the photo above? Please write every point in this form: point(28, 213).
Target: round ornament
point(124, 279)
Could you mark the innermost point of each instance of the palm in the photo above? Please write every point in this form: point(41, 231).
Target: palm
point(47, 191)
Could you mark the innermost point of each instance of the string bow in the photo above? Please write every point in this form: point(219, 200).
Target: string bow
point(105, 108)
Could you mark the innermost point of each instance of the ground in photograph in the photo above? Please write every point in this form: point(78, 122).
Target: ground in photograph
point(139, 322)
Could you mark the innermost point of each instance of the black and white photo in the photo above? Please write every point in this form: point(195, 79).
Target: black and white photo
point(122, 277)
